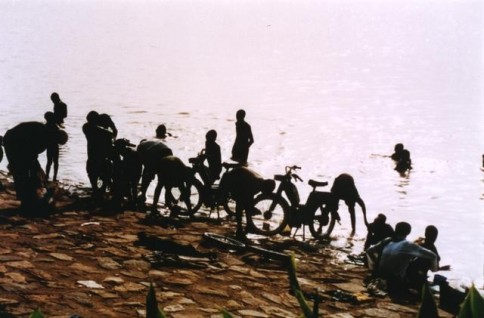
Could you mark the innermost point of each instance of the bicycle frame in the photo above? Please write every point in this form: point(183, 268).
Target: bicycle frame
point(203, 185)
point(300, 213)
point(313, 213)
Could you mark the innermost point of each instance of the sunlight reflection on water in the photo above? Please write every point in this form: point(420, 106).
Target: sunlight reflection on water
point(324, 87)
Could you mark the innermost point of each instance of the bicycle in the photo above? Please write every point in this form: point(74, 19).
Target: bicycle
point(273, 212)
point(203, 190)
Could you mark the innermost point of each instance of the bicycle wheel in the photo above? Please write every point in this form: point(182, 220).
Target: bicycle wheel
point(224, 241)
point(322, 223)
point(269, 253)
point(269, 216)
point(196, 189)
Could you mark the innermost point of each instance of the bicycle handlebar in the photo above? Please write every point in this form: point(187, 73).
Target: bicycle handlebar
point(291, 168)
point(289, 172)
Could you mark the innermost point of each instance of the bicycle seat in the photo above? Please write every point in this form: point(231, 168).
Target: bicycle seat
point(314, 183)
point(229, 165)
point(279, 177)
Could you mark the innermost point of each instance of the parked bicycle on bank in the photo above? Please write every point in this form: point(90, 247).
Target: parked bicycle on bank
point(203, 189)
point(273, 212)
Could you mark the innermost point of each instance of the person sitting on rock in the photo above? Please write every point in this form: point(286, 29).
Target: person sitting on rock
point(418, 269)
point(390, 259)
point(378, 230)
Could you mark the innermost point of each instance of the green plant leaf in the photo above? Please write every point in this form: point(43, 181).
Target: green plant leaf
point(296, 289)
point(473, 305)
point(428, 307)
point(308, 313)
point(292, 274)
point(226, 314)
point(152, 310)
point(36, 314)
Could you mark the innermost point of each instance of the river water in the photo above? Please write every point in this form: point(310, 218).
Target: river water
point(327, 85)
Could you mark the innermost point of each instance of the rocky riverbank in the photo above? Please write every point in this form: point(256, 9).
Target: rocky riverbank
point(83, 261)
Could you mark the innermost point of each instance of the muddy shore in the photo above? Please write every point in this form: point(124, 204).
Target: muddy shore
point(85, 261)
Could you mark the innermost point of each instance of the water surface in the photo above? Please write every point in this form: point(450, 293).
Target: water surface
point(328, 85)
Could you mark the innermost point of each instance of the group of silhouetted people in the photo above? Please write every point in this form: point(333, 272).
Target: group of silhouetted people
point(128, 169)
point(404, 265)
point(23, 143)
point(151, 157)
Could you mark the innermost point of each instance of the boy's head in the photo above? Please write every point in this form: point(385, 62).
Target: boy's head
point(92, 117)
point(398, 148)
point(240, 115)
point(211, 136)
point(161, 131)
point(402, 229)
point(49, 117)
point(55, 97)
point(380, 218)
point(431, 233)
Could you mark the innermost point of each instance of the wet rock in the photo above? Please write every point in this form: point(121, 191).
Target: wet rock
point(185, 301)
point(252, 313)
point(377, 312)
point(129, 304)
point(113, 280)
point(8, 301)
point(273, 311)
point(274, 298)
point(130, 287)
point(348, 315)
point(16, 277)
point(134, 264)
point(84, 268)
point(10, 258)
point(48, 236)
point(108, 263)
point(62, 257)
point(210, 291)
point(134, 274)
point(39, 274)
point(158, 274)
point(232, 304)
point(104, 294)
point(89, 284)
point(81, 298)
point(256, 274)
point(187, 239)
point(398, 308)
point(173, 308)
point(240, 269)
point(20, 264)
point(4, 251)
point(170, 295)
point(179, 281)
